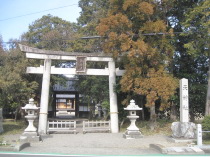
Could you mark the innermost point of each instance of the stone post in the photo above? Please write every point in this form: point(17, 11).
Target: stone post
point(113, 98)
point(199, 135)
point(44, 97)
point(184, 101)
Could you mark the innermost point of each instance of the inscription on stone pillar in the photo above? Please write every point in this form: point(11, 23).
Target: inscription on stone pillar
point(81, 64)
point(184, 101)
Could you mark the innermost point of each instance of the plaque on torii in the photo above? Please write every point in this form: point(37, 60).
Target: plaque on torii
point(81, 64)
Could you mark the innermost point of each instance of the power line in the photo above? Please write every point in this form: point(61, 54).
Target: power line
point(95, 37)
point(37, 12)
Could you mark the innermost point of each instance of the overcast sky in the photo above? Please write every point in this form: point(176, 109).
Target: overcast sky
point(14, 18)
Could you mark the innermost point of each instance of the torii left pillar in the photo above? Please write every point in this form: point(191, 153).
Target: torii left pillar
point(113, 98)
point(44, 97)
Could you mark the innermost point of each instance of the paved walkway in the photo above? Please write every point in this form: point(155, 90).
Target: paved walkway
point(97, 144)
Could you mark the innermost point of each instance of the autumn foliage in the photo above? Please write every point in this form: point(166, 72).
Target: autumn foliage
point(127, 30)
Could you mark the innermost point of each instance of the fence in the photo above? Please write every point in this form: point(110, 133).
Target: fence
point(199, 135)
point(95, 126)
point(61, 126)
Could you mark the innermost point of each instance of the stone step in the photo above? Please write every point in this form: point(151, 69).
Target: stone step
point(183, 150)
point(177, 150)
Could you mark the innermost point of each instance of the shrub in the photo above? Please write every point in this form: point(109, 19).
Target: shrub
point(206, 125)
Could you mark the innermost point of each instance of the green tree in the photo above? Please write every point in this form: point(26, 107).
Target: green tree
point(53, 33)
point(93, 88)
point(92, 11)
point(2, 52)
point(15, 87)
point(196, 29)
point(186, 65)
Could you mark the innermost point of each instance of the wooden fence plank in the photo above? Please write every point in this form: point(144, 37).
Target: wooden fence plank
point(95, 126)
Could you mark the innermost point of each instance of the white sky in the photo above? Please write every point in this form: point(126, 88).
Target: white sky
point(13, 28)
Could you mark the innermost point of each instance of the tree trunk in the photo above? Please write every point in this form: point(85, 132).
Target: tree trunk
point(192, 117)
point(207, 109)
point(142, 111)
point(173, 115)
point(16, 114)
point(152, 118)
point(152, 113)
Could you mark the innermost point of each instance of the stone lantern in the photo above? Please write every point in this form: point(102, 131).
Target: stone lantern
point(30, 133)
point(132, 131)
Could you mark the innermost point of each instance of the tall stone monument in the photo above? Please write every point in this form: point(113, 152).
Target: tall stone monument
point(184, 101)
point(184, 128)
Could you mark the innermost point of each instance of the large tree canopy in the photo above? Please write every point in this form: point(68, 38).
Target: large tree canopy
point(187, 63)
point(129, 30)
point(50, 32)
point(197, 29)
point(16, 87)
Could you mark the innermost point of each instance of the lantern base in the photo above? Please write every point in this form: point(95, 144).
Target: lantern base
point(132, 135)
point(30, 137)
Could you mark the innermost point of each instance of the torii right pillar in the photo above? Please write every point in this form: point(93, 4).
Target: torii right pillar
point(113, 98)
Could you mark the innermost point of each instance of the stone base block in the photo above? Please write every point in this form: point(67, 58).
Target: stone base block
point(30, 137)
point(185, 130)
point(132, 135)
point(21, 146)
point(181, 140)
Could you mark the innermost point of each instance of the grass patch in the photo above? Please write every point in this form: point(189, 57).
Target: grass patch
point(206, 141)
point(161, 127)
point(206, 138)
point(12, 127)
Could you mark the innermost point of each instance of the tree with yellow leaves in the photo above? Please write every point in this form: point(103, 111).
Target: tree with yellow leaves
point(132, 30)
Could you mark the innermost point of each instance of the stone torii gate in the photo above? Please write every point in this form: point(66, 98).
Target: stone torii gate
point(81, 58)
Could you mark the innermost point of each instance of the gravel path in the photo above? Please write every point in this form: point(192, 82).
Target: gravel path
point(97, 144)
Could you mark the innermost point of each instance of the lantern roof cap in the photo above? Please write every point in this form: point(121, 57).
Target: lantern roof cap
point(30, 106)
point(132, 106)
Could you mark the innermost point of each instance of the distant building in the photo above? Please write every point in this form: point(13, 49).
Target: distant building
point(66, 101)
